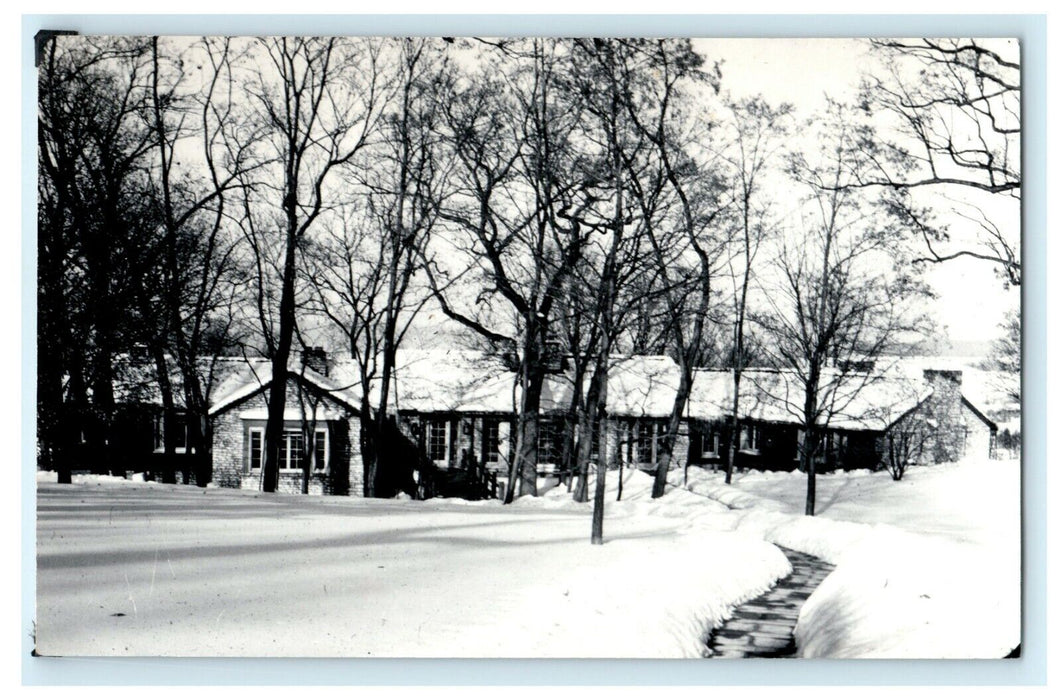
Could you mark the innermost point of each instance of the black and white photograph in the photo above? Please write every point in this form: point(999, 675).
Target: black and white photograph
point(528, 347)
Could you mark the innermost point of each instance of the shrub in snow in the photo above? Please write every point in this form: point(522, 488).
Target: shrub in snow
point(904, 446)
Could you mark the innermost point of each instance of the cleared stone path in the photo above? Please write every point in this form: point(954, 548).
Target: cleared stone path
point(762, 627)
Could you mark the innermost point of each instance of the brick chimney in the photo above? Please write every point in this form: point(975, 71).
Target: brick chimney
point(945, 410)
point(316, 359)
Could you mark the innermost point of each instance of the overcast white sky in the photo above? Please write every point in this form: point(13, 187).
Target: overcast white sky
point(972, 301)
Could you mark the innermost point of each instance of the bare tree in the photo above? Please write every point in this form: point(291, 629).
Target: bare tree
point(319, 101)
point(844, 294)
point(521, 186)
point(1004, 357)
point(616, 69)
point(759, 129)
point(905, 444)
point(954, 108)
point(579, 337)
point(687, 244)
point(366, 279)
point(91, 141)
point(193, 117)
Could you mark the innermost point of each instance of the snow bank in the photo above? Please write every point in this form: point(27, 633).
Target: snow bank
point(932, 571)
point(925, 567)
point(46, 477)
point(171, 570)
point(898, 595)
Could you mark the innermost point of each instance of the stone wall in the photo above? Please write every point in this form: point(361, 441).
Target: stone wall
point(943, 427)
point(943, 413)
point(228, 450)
point(231, 467)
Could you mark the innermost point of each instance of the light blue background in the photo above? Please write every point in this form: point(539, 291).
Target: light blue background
point(1029, 670)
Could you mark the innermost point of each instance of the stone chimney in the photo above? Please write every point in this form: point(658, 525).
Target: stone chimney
point(316, 359)
point(945, 413)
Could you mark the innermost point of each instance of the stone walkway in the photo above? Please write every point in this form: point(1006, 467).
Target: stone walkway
point(762, 627)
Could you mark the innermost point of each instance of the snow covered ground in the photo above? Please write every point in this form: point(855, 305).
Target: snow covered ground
point(148, 569)
point(926, 567)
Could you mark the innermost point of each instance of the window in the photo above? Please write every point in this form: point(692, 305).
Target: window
point(320, 453)
point(749, 438)
point(491, 440)
point(437, 440)
point(180, 433)
point(292, 449)
point(645, 442)
point(548, 441)
point(708, 442)
point(257, 440)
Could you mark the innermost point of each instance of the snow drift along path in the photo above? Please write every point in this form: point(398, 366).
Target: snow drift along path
point(149, 569)
point(931, 571)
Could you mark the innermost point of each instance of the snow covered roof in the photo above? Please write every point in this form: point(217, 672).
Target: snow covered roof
point(136, 377)
point(461, 381)
point(255, 375)
point(852, 402)
point(443, 381)
point(450, 380)
point(638, 386)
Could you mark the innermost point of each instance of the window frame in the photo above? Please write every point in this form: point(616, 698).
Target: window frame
point(159, 433)
point(285, 449)
point(550, 433)
point(491, 447)
point(652, 439)
point(709, 435)
point(432, 426)
point(754, 439)
point(253, 431)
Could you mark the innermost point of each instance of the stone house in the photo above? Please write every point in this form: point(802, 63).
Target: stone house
point(861, 412)
point(457, 409)
point(317, 410)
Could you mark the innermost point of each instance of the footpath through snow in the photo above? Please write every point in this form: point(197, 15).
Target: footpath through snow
point(932, 571)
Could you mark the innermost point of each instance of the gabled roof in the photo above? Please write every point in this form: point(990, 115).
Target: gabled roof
point(990, 423)
point(991, 391)
point(256, 376)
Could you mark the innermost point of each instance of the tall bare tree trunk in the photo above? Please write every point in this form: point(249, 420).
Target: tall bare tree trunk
point(666, 447)
point(274, 424)
point(526, 464)
point(593, 427)
point(605, 461)
point(810, 442)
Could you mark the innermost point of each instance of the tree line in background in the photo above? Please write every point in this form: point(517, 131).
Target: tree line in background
point(589, 198)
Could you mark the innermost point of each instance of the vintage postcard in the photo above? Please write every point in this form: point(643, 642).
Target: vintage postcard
point(528, 347)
